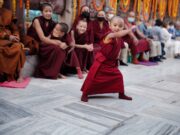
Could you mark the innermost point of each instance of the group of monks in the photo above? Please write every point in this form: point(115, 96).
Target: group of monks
point(92, 46)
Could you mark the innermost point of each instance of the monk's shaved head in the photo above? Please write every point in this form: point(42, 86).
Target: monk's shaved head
point(116, 24)
point(120, 20)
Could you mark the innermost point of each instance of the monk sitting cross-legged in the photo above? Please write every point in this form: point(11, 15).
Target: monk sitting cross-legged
point(12, 56)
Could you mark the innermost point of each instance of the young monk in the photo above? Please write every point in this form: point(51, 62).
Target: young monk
point(43, 25)
point(71, 60)
point(51, 57)
point(104, 76)
point(85, 15)
point(12, 56)
point(82, 44)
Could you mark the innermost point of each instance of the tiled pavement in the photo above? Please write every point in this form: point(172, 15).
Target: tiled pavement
point(53, 107)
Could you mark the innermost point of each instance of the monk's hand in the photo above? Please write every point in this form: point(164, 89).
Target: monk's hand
point(70, 50)
point(63, 46)
point(89, 47)
point(133, 28)
point(14, 38)
point(135, 40)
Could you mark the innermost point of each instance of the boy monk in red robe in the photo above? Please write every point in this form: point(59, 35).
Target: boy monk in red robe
point(85, 15)
point(104, 75)
point(82, 43)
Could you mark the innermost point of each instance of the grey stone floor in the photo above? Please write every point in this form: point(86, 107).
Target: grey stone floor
point(53, 107)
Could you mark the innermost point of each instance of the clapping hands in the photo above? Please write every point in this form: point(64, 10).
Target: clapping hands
point(89, 47)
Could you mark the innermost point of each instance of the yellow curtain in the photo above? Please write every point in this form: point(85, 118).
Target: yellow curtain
point(162, 8)
point(100, 7)
point(146, 9)
point(14, 8)
point(74, 10)
point(124, 5)
point(113, 5)
point(175, 7)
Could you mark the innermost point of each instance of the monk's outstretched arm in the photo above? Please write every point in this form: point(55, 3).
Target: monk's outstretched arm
point(131, 34)
point(119, 33)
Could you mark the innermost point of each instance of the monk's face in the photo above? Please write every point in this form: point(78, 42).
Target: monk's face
point(85, 9)
point(81, 27)
point(57, 31)
point(101, 14)
point(47, 12)
point(110, 15)
point(131, 17)
point(1, 3)
point(116, 24)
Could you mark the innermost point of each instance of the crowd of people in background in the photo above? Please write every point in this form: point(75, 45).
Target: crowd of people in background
point(62, 50)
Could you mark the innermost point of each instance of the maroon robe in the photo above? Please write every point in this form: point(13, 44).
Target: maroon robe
point(99, 33)
point(12, 56)
point(46, 29)
point(104, 75)
point(71, 58)
point(142, 46)
point(81, 53)
point(90, 29)
point(31, 40)
point(51, 56)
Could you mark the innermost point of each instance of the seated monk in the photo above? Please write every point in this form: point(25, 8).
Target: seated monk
point(137, 42)
point(85, 15)
point(51, 56)
point(82, 45)
point(12, 56)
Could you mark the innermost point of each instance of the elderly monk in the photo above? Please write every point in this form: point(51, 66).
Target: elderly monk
point(12, 56)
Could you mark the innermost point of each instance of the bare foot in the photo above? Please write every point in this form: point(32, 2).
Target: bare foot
point(79, 73)
point(80, 76)
point(61, 76)
point(86, 71)
point(20, 80)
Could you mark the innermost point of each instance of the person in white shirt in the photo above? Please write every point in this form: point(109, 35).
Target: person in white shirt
point(172, 45)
